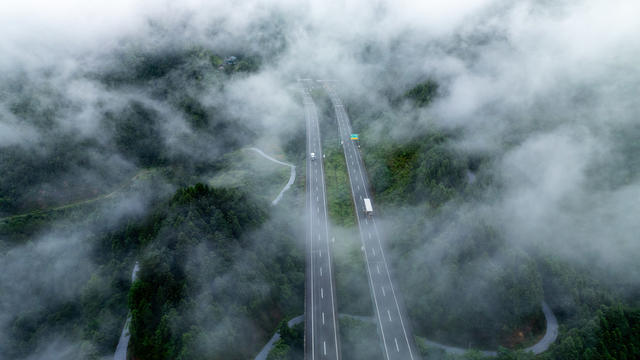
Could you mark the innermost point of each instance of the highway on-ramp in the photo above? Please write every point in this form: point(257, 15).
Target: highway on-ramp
point(321, 327)
point(395, 335)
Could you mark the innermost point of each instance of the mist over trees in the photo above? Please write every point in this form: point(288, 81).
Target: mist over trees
point(207, 280)
point(500, 138)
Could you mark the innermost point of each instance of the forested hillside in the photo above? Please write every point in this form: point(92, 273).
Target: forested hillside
point(500, 140)
point(215, 269)
point(147, 96)
point(203, 246)
point(112, 196)
point(470, 286)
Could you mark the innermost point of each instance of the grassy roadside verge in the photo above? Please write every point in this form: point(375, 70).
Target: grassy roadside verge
point(352, 284)
point(246, 168)
point(339, 198)
point(361, 338)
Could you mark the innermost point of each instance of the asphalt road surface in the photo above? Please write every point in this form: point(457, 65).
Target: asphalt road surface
point(123, 343)
point(395, 334)
point(321, 326)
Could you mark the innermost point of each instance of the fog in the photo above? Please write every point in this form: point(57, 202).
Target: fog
point(544, 90)
point(56, 267)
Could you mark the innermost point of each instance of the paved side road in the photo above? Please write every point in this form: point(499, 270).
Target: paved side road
point(262, 355)
point(541, 346)
point(550, 336)
point(123, 343)
point(292, 177)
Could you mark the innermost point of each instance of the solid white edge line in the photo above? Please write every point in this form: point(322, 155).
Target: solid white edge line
point(310, 236)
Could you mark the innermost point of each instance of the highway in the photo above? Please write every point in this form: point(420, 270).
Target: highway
point(395, 335)
point(321, 326)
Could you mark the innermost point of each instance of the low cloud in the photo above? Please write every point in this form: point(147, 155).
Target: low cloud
point(545, 90)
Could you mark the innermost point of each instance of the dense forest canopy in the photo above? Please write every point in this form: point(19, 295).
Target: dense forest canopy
point(189, 307)
point(500, 140)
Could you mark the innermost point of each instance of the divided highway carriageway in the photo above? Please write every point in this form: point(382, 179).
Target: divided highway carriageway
point(395, 334)
point(321, 326)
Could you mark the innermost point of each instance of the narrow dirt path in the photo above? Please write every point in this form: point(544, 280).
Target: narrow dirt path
point(80, 202)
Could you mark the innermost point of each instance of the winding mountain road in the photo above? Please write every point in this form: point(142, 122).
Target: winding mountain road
point(123, 343)
point(262, 355)
point(292, 177)
point(550, 336)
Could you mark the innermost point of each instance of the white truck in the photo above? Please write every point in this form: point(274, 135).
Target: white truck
point(368, 209)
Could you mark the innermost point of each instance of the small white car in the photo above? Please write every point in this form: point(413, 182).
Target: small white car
point(313, 156)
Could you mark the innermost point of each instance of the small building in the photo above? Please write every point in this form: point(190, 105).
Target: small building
point(230, 60)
